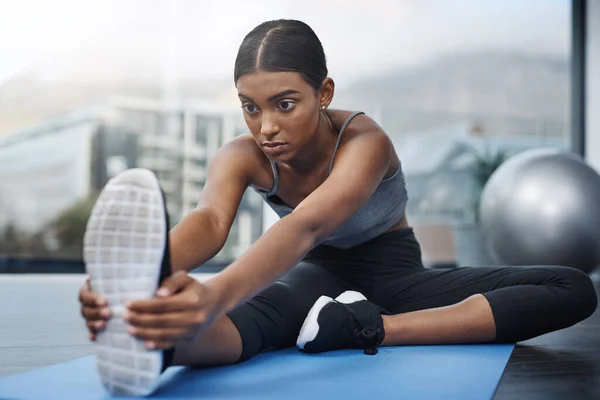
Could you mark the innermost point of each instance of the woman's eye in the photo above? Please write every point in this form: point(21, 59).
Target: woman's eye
point(287, 105)
point(250, 108)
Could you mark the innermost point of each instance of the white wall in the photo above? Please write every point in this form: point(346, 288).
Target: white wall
point(592, 112)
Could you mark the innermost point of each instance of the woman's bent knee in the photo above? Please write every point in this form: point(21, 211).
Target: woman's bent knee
point(580, 291)
point(586, 294)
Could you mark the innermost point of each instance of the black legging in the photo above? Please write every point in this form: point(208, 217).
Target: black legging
point(525, 301)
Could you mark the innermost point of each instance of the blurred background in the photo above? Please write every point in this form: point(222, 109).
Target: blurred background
point(88, 89)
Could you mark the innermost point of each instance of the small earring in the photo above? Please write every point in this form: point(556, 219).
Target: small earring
point(322, 106)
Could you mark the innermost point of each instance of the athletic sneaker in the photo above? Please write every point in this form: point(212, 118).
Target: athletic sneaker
point(347, 322)
point(126, 256)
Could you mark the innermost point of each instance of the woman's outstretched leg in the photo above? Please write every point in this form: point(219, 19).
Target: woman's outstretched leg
point(463, 305)
point(520, 303)
point(221, 344)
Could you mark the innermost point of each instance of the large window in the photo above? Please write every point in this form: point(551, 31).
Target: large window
point(458, 85)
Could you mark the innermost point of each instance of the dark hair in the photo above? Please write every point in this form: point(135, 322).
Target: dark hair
point(280, 46)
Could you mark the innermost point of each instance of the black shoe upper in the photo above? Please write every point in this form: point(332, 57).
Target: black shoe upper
point(358, 325)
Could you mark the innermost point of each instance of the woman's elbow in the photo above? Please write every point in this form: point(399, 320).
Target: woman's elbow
point(310, 232)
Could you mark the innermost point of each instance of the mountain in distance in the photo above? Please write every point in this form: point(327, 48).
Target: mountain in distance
point(487, 85)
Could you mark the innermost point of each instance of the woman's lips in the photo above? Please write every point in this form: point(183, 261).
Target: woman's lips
point(274, 147)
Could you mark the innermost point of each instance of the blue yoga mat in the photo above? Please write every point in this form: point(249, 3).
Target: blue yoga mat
point(406, 372)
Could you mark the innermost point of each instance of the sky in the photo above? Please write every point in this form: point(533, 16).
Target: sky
point(197, 39)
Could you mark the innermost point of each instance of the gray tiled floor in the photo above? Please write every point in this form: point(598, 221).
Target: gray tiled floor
point(40, 325)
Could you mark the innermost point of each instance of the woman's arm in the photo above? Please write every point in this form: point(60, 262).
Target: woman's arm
point(201, 234)
point(360, 164)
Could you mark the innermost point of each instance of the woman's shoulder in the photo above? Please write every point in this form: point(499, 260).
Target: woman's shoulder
point(361, 123)
point(244, 152)
point(363, 133)
point(243, 143)
point(360, 129)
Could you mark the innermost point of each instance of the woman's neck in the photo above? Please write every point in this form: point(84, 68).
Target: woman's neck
point(319, 150)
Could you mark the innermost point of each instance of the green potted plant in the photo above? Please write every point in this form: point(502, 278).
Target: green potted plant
point(470, 247)
point(485, 165)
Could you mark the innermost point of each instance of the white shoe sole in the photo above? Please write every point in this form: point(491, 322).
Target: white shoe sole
point(123, 252)
point(310, 327)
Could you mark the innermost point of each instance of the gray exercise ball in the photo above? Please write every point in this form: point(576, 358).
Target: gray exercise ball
point(542, 207)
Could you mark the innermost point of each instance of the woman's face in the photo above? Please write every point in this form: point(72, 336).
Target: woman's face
point(281, 110)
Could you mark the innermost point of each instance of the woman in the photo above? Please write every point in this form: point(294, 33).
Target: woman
point(340, 269)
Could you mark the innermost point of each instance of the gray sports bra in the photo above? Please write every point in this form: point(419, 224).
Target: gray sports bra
point(384, 208)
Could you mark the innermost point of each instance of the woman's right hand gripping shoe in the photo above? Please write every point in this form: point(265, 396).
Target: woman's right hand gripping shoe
point(94, 309)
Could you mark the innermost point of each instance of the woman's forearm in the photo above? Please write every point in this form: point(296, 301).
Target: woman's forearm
point(272, 255)
point(196, 239)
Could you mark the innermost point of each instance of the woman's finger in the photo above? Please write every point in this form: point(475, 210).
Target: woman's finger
point(96, 313)
point(173, 284)
point(96, 326)
point(167, 320)
point(158, 334)
point(175, 303)
point(89, 298)
point(158, 345)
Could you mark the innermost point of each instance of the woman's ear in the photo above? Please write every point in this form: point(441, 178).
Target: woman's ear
point(326, 93)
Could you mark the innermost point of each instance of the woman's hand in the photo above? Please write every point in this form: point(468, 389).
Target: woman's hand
point(94, 309)
point(182, 308)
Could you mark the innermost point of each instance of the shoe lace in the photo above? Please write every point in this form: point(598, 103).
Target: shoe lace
point(367, 337)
